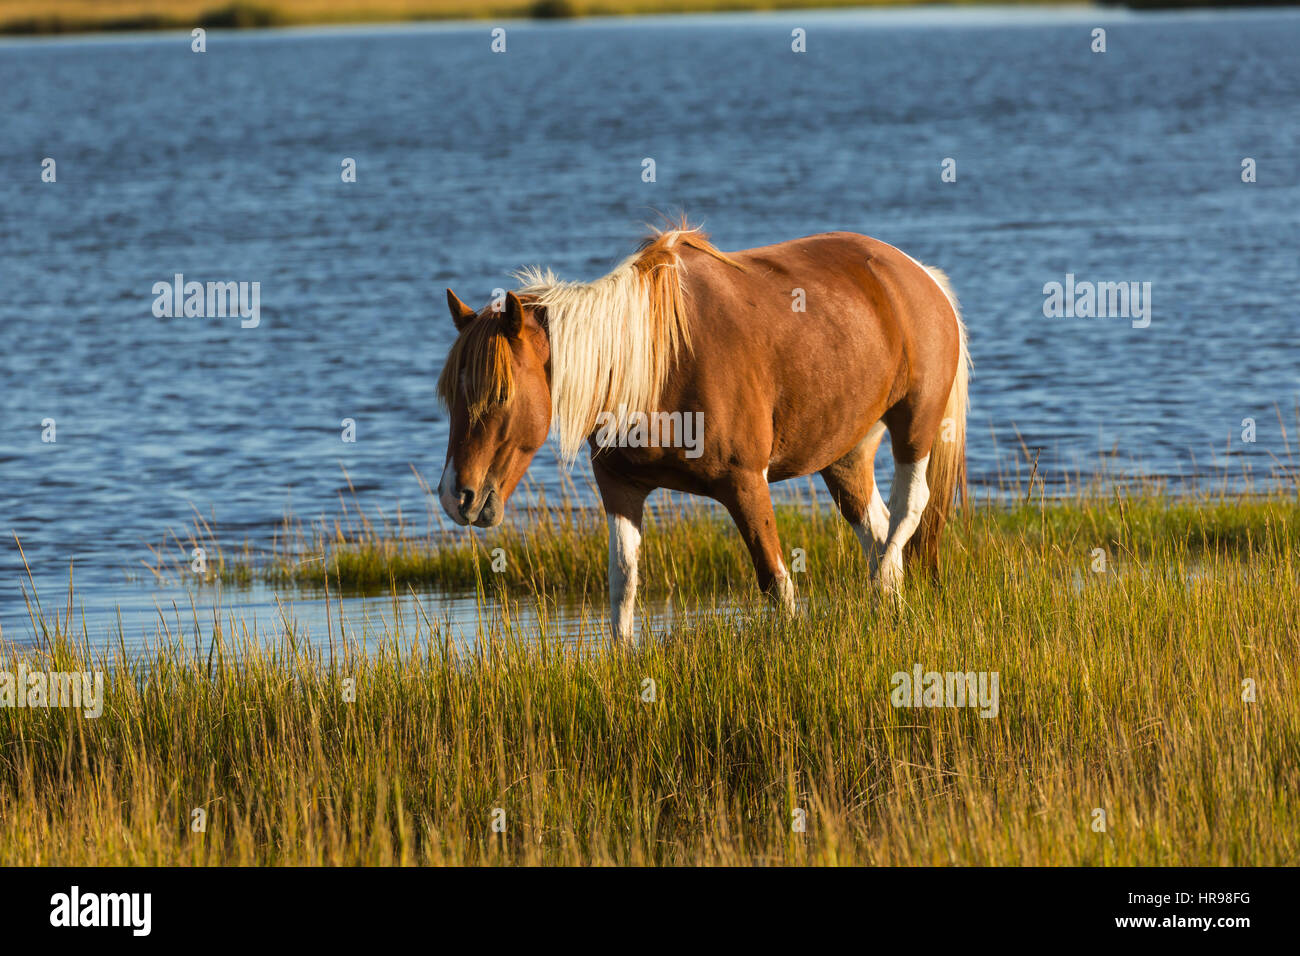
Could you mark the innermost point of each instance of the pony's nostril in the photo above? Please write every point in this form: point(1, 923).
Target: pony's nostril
point(466, 500)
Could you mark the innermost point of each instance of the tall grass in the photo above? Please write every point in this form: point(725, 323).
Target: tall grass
point(1121, 691)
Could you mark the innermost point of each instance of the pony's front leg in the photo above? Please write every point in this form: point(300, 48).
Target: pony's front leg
point(624, 506)
point(749, 502)
point(624, 551)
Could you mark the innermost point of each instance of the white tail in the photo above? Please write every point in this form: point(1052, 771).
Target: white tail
point(946, 473)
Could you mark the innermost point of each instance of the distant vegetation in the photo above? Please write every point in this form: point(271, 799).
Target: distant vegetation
point(78, 16)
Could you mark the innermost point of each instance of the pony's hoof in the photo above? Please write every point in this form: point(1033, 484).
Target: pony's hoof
point(889, 579)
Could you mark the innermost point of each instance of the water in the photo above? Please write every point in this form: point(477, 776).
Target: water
point(226, 166)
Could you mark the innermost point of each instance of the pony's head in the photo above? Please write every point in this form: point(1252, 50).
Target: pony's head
point(496, 387)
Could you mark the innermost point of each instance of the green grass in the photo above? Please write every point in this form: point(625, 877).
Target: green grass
point(1119, 690)
point(562, 546)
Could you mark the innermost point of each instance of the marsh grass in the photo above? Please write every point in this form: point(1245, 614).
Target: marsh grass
point(1120, 690)
point(559, 543)
point(561, 546)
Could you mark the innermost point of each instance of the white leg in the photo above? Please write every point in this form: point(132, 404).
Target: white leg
point(908, 496)
point(874, 531)
point(878, 516)
point(624, 547)
point(784, 598)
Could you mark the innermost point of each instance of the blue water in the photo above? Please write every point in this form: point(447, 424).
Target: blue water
point(225, 166)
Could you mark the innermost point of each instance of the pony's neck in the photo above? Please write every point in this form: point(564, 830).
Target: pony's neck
point(613, 340)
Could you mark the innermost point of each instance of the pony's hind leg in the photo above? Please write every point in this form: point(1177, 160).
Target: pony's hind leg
point(912, 427)
point(852, 484)
point(908, 495)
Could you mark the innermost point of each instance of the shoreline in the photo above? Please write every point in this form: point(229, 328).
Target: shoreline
point(68, 18)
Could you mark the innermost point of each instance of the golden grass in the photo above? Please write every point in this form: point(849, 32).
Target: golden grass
point(1120, 691)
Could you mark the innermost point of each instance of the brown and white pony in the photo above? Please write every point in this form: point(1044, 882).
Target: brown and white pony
point(798, 357)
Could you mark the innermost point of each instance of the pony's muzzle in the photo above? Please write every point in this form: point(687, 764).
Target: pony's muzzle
point(469, 503)
point(466, 503)
point(480, 507)
point(489, 508)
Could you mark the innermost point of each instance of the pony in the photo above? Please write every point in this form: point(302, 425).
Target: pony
point(793, 359)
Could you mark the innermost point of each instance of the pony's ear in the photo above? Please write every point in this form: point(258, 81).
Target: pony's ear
point(461, 314)
point(512, 322)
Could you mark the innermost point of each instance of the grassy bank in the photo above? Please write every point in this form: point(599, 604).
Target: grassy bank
point(1121, 690)
point(690, 543)
point(83, 16)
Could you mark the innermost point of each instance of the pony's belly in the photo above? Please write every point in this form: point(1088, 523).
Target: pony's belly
point(806, 444)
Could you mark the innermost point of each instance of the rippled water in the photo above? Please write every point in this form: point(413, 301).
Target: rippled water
point(1122, 166)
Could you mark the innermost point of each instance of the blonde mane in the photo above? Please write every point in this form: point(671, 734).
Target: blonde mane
point(480, 361)
point(614, 340)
